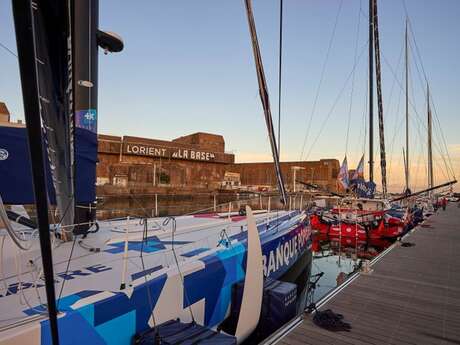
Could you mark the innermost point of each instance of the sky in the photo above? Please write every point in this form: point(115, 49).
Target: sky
point(187, 66)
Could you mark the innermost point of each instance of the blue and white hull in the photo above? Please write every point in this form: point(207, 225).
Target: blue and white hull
point(211, 256)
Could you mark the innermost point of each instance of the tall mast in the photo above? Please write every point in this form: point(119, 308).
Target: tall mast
point(378, 75)
point(430, 152)
point(264, 97)
point(406, 161)
point(371, 90)
point(28, 32)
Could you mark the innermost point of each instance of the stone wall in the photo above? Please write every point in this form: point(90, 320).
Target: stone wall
point(177, 168)
point(323, 173)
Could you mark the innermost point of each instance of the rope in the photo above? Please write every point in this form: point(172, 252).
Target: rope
point(353, 80)
point(8, 50)
point(334, 104)
point(21, 243)
point(66, 270)
point(331, 40)
point(363, 122)
point(330, 321)
point(165, 223)
point(141, 255)
point(437, 147)
point(417, 50)
point(439, 134)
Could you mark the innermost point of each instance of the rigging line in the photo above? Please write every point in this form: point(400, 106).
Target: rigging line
point(174, 226)
point(331, 40)
point(422, 147)
point(366, 100)
point(66, 271)
point(8, 50)
point(439, 134)
point(416, 120)
point(279, 77)
point(448, 169)
point(390, 98)
point(362, 129)
point(335, 102)
point(440, 142)
point(411, 103)
point(426, 79)
point(397, 127)
point(353, 79)
point(415, 182)
point(390, 103)
point(421, 150)
point(141, 255)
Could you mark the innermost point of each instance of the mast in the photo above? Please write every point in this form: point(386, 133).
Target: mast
point(85, 23)
point(371, 90)
point(280, 60)
point(264, 97)
point(430, 152)
point(383, 163)
point(28, 21)
point(406, 160)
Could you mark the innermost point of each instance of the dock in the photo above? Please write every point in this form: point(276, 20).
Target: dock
point(411, 295)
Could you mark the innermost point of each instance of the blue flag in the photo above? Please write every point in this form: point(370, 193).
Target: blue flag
point(364, 189)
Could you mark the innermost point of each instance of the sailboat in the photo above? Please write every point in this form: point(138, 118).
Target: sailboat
point(362, 215)
point(75, 282)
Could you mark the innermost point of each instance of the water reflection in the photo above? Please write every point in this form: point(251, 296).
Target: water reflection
point(332, 260)
point(337, 258)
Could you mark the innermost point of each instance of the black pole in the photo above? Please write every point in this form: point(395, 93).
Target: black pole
point(319, 188)
point(424, 191)
point(23, 20)
point(84, 26)
point(371, 90)
point(280, 77)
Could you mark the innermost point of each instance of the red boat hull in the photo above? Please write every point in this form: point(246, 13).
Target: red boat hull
point(356, 230)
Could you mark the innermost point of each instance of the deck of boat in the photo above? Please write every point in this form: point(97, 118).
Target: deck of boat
point(412, 296)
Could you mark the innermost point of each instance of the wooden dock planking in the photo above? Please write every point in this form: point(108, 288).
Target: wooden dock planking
point(411, 297)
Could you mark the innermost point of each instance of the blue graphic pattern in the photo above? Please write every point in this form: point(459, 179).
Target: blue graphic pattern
point(226, 268)
point(151, 244)
point(114, 320)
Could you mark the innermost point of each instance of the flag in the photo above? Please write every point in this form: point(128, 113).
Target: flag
point(359, 172)
point(364, 189)
point(343, 178)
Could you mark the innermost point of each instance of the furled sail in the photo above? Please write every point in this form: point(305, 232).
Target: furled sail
point(53, 50)
point(263, 92)
point(67, 64)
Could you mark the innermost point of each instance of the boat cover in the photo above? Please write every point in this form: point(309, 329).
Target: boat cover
point(176, 332)
point(16, 174)
point(278, 305)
